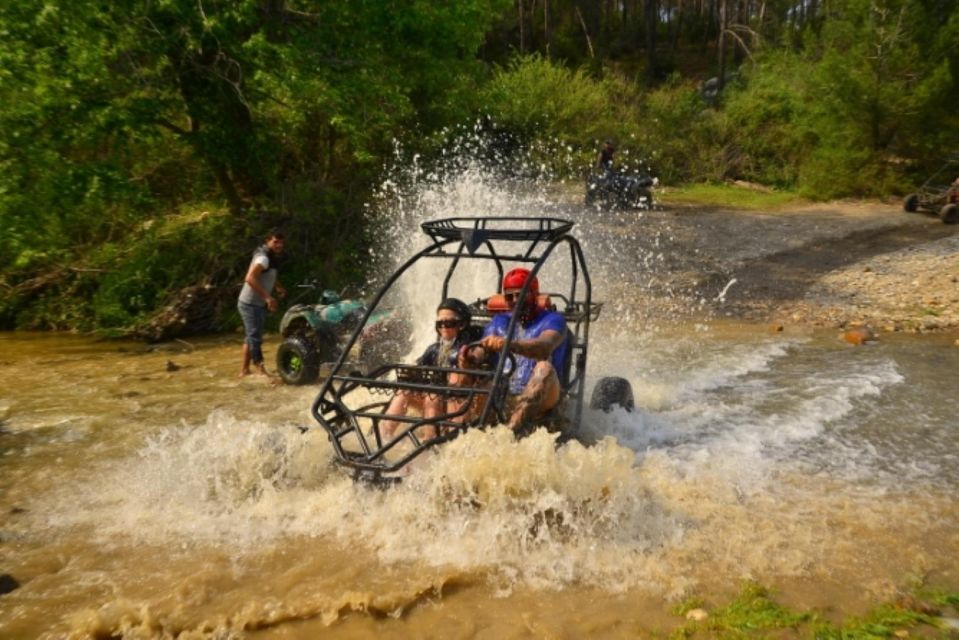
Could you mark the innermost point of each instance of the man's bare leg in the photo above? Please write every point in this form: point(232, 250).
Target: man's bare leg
point(245, 370)
point(540, 395)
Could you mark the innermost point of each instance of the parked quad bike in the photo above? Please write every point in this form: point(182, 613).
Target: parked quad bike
point(619, 190)
point(314, 334)
point(937, 195)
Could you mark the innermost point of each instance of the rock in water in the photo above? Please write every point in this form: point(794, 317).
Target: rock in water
point(697, 615)
point(859, 335)
point(8, 583)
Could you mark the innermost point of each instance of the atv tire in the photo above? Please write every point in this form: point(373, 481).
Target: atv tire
point(911, 203)
point(612, 391)
point(949, 214)
point(297, 360)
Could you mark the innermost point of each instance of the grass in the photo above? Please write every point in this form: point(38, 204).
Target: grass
point(728, 195)
point(755, 614)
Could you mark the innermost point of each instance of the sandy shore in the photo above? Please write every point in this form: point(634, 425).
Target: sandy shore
point(827, 265)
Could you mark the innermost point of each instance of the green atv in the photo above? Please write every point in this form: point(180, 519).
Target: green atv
point(314, 334)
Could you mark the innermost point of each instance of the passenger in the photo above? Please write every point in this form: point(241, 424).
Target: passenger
point(453, 328)
point(540, 344)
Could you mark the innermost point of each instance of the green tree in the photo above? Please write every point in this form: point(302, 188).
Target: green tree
point(873, 90)
point(112, 112)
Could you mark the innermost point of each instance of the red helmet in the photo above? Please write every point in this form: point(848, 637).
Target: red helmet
point(516, 278)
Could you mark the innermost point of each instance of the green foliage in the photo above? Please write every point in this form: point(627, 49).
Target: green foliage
point(534, 98)
point(872, 92)
point(726, 195)
point(754, 614)
point(763, 110)
point(113, 115)
point(753, 610)
point(882, 622)
point(538, 98)
point(686, 138)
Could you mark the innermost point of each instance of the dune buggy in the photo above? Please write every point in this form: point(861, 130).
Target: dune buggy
point(937, 194)
point(465, 258)
point(317, 334)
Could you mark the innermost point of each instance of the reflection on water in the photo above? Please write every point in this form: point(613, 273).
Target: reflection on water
point(146, 501)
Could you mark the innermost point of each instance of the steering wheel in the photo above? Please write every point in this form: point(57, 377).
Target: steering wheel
point(508, 368)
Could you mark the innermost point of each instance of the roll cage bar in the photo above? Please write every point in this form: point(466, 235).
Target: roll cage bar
point(455, 240)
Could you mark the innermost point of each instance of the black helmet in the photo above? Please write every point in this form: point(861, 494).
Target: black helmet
point(458, 307)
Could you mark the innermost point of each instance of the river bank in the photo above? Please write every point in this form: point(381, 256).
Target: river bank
point(829, 265)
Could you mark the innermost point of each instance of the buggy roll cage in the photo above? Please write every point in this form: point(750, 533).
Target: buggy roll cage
point(455, 240)
point(952, 160)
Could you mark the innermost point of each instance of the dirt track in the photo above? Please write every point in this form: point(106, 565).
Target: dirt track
point(825, 265)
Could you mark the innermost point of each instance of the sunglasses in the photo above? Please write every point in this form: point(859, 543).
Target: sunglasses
point(448, 324)
point(511, 296)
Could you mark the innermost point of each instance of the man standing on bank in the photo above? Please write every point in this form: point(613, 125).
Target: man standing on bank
point(256, 298)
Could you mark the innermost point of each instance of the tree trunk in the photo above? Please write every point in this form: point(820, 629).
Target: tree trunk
point(652, 20)
point(228, 187)
point(522, 27)
point(546, 27)
point(721, 45)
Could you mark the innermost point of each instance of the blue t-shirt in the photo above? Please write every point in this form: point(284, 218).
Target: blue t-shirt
point(543, 321)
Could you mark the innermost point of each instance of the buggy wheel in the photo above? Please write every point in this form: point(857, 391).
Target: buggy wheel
point(911, 203)
point(950, 213)
point(297, 360)
point(612, 391)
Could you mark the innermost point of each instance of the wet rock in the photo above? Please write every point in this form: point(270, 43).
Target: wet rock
point(172, 366)
point(859, 335)
point(8, 583)
point(697, 615)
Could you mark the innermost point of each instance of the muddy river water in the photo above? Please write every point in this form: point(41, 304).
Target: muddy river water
point(149, 492)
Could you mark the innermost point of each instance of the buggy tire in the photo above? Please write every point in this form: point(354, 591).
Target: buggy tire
point(612, 391)
point(911, 203)
point(297, 360)
point(949, 214)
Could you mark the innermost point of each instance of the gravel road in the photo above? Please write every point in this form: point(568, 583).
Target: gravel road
point(831, 265)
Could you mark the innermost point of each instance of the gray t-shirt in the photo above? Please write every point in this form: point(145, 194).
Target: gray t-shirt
point(266, 279)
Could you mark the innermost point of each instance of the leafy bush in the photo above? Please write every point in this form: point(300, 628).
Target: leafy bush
point(534, 98)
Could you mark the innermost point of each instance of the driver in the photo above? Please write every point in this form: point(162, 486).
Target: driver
point(604, 162)
point(540, 344)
